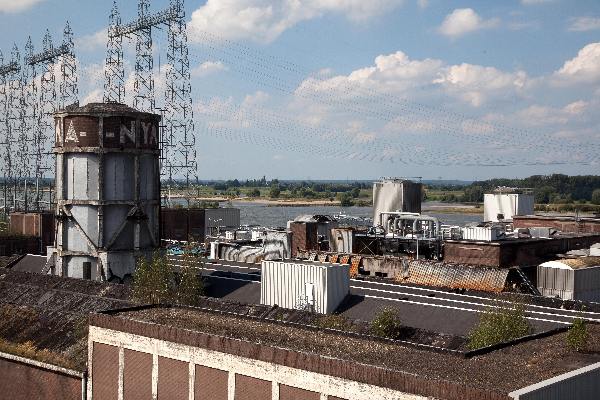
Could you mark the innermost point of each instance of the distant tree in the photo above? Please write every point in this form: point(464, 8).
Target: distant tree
point(254, 193)
point(474, 194)
point(345, 199)
point(499, 325)
point(274, 192)
point(544, 194)
point(596, 197)
point(355, 192)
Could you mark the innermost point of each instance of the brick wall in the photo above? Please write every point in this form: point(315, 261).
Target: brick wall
point(513, 253)
point(563, 224)
point(19, 381)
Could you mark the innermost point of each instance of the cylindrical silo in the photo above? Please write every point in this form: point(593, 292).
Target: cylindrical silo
point(107, 190)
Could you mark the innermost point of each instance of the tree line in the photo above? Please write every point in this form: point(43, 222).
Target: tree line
point(547, 189)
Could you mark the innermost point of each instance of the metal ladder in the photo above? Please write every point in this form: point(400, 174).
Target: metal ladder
point(527, 282)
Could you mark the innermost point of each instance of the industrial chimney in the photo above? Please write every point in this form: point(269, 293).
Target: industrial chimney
point(107, 190)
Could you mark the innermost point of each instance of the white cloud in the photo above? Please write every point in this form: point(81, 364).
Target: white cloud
point(92, 42)
point(255, 99)
point(95, 96)
point(475, 83)
point(15, 6)
point(584, 68)
point(264, 21)
point(390, 73)
point(208, 68)
point(465, 20)
point(582, 24)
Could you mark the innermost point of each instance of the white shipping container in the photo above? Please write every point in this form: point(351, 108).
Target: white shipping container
point(320, 287)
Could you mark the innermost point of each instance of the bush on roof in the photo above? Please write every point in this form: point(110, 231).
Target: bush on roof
point(155, 281)
point(386, 324)
point(499, 324)
point(577, 336)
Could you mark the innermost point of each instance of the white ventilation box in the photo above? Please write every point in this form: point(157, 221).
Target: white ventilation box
point(318, 287)
point(485, 233)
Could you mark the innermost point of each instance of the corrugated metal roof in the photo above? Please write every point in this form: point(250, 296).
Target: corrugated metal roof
point(455, 276)
point(51, 313)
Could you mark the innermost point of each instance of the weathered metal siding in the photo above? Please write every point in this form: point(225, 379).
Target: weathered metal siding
point(39, 224)
point(227, 217)
point(195, 223)
point(394, 195)
point(482, 233)
point(581, 384)
point(553, 282)
point(286, 284)
point(568, 284)
point(341, 240)
point(304, 236)
point(19, 381)
point(108, 189)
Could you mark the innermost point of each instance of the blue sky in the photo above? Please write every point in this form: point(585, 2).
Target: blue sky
point(327, 89)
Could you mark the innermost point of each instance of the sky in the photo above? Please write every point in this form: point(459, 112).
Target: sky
point(354, 89)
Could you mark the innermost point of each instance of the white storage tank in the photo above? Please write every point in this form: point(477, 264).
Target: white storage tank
point(318, 287)
point(396, 195)
point(570, 279)
point(107, 190)
point(503, 206)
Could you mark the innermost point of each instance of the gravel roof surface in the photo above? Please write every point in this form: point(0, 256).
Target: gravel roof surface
point(504, 370)
point(45, 317)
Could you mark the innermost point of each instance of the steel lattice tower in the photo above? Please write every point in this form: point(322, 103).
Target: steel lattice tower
point(15, 117)
point(179, 142)
point(69, 93)
point(5, 69)
point(114, 72)
point(28, 135)
point(47, 107)
point(143, 87)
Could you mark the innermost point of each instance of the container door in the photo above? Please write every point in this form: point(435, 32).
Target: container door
point(309, 293)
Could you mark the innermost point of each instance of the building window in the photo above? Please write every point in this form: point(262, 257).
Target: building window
point(87, 270)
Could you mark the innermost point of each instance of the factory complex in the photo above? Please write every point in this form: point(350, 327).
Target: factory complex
point(287, 312)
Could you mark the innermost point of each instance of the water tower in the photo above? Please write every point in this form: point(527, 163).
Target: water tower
point(107, 190)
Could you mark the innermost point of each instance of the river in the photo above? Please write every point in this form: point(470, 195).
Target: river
point(273, 216)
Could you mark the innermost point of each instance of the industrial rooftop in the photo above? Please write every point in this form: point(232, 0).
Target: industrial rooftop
point(501, 371)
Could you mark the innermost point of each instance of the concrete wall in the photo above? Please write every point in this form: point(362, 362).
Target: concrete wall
point(24, 379)
point(581, 384)
point(192, 373)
